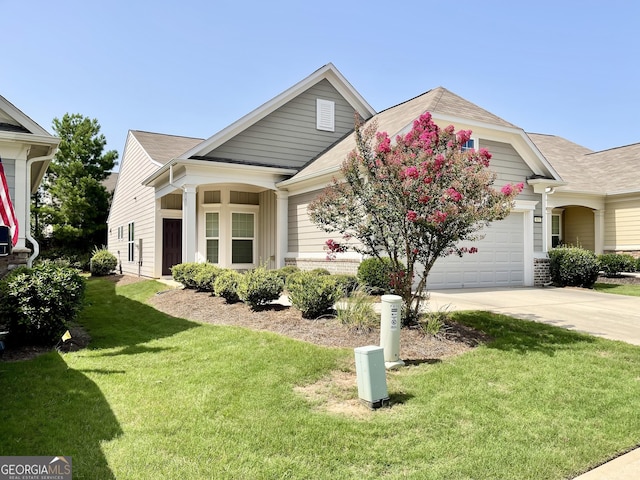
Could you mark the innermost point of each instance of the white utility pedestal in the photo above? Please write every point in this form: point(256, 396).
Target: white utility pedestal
point(372, 379)
point(390, 322)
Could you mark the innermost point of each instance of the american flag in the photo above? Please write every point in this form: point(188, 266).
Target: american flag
point(7, 214)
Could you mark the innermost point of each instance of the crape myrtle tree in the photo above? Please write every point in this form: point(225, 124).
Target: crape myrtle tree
point(78, 203)
point(413, 200)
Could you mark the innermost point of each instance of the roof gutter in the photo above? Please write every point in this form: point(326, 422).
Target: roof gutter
point(28, 236)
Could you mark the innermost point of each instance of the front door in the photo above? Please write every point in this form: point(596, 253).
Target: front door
point(171, 244)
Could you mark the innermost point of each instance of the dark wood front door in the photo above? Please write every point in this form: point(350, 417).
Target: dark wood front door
point(171, 244)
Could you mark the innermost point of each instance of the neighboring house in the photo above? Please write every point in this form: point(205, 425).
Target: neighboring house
point(26, 150)
point(239, 198)
point(599, 207)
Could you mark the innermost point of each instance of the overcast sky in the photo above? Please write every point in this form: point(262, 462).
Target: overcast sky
point(191, 68)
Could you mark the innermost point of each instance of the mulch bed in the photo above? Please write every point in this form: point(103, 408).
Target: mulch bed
point(415, 346)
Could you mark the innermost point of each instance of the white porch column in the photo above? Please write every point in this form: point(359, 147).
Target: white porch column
point(189, 227)
point(598, 231)
point(282, 226)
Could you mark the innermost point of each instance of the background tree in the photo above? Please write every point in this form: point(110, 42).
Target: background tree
point(75, 203)
point(414, 201)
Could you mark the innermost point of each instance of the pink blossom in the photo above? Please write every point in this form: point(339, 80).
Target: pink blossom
point(463, 136)
point(438, 217)
point(509, 189)
point(449, 129)
point(455, 195)
point(411, 172)
point(384, 143)
point(412, 216)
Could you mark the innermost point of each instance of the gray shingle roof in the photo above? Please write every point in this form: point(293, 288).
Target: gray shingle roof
point(605, 172)
point(163, 148)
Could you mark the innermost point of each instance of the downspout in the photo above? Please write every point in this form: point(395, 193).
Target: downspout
point(27, 235)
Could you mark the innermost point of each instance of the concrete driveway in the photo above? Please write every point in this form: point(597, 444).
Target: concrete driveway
point(615, 317)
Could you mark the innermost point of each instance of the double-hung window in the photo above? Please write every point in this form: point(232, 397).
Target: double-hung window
point(555, 230)
point(242, 237)
point(131, 243)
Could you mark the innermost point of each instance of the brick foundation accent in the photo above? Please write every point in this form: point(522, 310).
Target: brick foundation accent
point(541, 271)
point(334, 266)
point(18, 258)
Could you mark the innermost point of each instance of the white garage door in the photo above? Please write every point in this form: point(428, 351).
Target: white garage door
point(499, 261)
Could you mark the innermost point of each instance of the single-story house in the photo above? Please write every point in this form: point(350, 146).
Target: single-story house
point(239, 198)
point(26, 149)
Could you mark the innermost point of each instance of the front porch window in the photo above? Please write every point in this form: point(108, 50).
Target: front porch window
point(242, 236)
point(555, 230)
point(212, 235)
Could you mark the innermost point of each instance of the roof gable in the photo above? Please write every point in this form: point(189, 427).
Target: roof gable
point(329, 72)
point(14, 120)
point(440, 102)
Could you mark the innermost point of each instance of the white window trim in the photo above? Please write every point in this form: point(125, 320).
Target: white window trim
point(131, 242)
point(252, 209)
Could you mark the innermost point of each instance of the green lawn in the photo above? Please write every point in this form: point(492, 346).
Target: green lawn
point(631, 290)
point(161, 397)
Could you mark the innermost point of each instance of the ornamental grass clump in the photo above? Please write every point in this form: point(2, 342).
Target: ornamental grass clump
point(357, 313)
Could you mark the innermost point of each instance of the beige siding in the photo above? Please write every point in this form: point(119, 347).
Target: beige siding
point(267, 225)
point(288, 137)
point(133, 202)
point(304, 236)
point(622, 224)
point(578, 225)
point(511, 168)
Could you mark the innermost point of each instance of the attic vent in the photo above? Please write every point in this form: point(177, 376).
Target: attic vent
point(325, 115)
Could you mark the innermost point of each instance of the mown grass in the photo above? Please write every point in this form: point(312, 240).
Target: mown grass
point(632, 290)
point(160, 397)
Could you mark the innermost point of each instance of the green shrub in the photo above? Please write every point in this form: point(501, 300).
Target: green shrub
point(103, 262)
point(259, 287)
point(312, 294)
point(226, 285)
point(320, 271)
point(613, 264)
point(375, 274)
point(573, 267)
point(37, 303)
point(357, 312)
point(204, 276)
point(346, 283)
point(286, 271)
point(184, 273)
